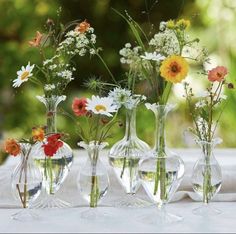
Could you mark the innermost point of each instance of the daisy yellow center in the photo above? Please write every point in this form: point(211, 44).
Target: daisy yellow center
point(24, 75)
point(100, 108)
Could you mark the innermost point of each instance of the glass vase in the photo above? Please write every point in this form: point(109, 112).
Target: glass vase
point(162, 171)
point(26, 183)
point(93, 180)
point(124, 158)
point(207, 177)
point(54, 169)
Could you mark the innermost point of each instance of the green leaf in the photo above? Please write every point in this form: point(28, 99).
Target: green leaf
point(166, 93)
point(132, 24)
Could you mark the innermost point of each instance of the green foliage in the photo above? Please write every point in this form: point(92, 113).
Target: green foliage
point(20, 19)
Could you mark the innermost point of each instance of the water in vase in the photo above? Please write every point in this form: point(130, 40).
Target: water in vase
point(85, 181)
point(126, 170)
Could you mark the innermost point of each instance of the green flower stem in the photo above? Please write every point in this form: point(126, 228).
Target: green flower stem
point(94, 195)
point(129, 120)
point(207, 175)
point(50, 174)
point(160, 176)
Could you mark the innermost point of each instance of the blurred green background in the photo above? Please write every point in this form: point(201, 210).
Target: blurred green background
point(213, 21)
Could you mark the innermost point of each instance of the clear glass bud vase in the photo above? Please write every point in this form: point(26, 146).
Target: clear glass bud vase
point(207, 177)
point(93, 180)
point(124, 158)
point(26, 182)
point(56, 168)
point(162, 171)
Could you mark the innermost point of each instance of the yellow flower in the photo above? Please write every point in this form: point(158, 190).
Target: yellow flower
point(170, 24)
point(183, 24)
point(174, 69)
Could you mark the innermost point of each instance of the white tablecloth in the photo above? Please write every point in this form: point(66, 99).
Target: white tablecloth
point(125, 219)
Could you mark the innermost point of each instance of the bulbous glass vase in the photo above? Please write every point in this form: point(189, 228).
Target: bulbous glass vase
point(207, 177)
point(54, 169)
point(162, 171)
point(26, 183)
point(124, 158)
point(93, 180)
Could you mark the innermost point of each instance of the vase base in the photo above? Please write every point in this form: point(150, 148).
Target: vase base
point(160, 217)
point(131, 201)
point(94, 214)
point(206, 210)
point(50, 201)
point(25, 215)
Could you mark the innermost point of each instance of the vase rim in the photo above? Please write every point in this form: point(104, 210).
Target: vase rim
point(155, 105)
point(92, 144)
point(214, 141)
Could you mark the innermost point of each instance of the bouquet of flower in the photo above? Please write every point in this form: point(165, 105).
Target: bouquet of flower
point(23, 147)
point(162, 60)
point(98, 112)
point(205, 116)
point(204, 110)
point(57, 48)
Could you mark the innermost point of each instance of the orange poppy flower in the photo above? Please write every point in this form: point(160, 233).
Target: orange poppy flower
point(82, 27)
point(37, 40)
point(12, 147)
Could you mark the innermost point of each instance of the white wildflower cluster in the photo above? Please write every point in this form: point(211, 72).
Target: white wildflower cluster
point(130, 55)
point(203, 127)
point(78, 43)
point(153, 56)
point(165, 43)
point(200, 104)
point(162, 26)
point(66, 74)
point(124, 97)
point(49, 87)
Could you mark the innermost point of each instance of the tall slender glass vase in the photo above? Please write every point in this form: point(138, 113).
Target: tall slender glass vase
point(207, 178)
point(93, 180)
point(26, 183)
point(124, 157)
point(54, 169)
point(162, 172)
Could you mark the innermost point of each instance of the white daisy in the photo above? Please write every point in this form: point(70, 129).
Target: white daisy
point(23, 75)
point(153, 56)
point(101, 105)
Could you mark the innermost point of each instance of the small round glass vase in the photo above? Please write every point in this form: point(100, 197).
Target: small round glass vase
point(54, 169)
point(26, 183)
point(207, 177)
point(93, 180)
point(161, 172)
point(124, 158)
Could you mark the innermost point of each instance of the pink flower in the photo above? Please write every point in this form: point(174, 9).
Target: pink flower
point(217, 74)
point(79, 106)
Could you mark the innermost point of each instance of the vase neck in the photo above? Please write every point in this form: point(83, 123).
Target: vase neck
point(51, 104)
point(160, 119)
point(207, 149)
point(130, 128)
point(25, 152)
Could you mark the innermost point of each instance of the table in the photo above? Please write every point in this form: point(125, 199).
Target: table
point(127, 219)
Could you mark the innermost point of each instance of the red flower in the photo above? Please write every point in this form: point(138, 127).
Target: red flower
point(79, 106)
point(53, 144)
point(217, 74)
